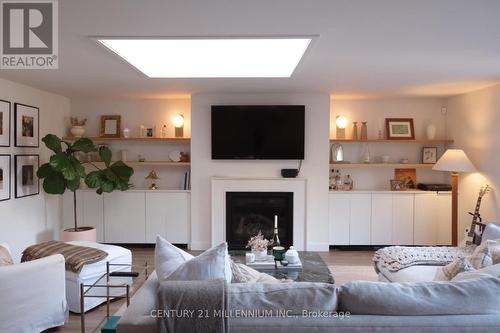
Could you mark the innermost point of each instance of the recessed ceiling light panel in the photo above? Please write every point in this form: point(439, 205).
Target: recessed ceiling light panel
point(211, 58)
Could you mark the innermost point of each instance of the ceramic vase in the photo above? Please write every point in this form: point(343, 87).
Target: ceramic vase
point(364, 131)
point(77, 131)
point(355, 130)
point(431, 132)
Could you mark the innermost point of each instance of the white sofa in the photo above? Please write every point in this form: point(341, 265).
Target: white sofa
point(33, 295)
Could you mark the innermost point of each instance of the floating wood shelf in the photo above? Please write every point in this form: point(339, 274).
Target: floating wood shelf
point(381, 165)
point(101, 139)
point(423, 141)
point(151, 163)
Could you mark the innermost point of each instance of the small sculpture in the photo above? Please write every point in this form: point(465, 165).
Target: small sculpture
point(152, 176)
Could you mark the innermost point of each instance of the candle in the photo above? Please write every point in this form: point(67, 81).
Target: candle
point(275, 221)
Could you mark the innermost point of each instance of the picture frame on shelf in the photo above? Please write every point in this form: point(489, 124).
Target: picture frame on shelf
point(26, 125)
point(5, 176)
point(429, 155)
point(110, 126)
point(397, 185)
point(26, 180)
point(400, 128)
point(408, 176)
point(4, 123)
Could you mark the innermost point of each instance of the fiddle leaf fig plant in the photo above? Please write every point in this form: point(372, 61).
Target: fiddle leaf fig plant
point(65, 172)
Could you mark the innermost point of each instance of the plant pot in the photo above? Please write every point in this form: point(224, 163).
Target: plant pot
point(77, 131)
point(81, 234)
point(260, 255)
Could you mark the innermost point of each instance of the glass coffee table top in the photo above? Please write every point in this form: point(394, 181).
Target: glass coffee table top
point(313, 269)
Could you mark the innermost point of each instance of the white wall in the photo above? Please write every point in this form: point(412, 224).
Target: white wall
point(29, 220)
point(136, 112)
point(314, 168)
point(424, 111)
point(474, 123)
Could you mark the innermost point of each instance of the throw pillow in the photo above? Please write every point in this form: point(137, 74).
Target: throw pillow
point(481, 257)
point(5, 257)
point(168, 257)
point(493, 270)
point(214, 263)
point(244, 274)
point(491, 231)
point(494, 247)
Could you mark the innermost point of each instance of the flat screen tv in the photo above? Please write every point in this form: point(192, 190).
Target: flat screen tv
point(264, 132)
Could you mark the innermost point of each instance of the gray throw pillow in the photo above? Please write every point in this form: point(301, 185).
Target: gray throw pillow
point(421, 299)
point(491, 232)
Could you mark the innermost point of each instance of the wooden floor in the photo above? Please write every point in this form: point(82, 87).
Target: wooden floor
point(345, 266)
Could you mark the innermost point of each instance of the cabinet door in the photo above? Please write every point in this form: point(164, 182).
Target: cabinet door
point(93, 212)
point(444, 219)
point(424, 225)
point(381, 226)
point(167, 215)
point(402, 219)
point(339, 212)
point(360, 221)
point(124, 217)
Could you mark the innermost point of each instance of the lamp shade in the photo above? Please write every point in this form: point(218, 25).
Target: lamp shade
point(454, 160)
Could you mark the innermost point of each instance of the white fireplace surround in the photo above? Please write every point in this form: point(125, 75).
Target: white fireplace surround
point(221, 185)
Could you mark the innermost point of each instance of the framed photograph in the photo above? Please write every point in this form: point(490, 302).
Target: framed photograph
point(4, 123)
point(397, 185)
point(26, 180)
point(4, 177)
point(429, 155)
point(407, 176)
point(110, 126)
point(400, 129)
point(26, 125)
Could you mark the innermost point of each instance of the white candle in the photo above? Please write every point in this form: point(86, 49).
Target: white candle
point(275, 221)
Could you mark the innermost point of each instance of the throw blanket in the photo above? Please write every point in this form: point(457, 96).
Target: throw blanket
point(193, 306)
point(75, 256)
point(395, 258)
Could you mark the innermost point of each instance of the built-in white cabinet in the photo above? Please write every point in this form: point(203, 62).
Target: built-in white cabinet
point(135, 216)
point(167, 215)
point(390, 218)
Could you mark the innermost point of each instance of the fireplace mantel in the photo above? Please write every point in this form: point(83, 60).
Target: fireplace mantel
point(221, 185)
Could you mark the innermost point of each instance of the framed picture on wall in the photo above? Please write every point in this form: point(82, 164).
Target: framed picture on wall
point(110, 126)
point(429, 155)
point(4, 123)
point(4, 177)
point(400, 129)
point(26, 125)
point(26, 180)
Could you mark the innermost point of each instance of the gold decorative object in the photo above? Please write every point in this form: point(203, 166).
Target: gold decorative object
point(355, 130)
point(364, 131)
point(153, 176)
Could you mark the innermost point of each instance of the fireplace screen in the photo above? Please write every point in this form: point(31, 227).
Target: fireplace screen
point(249, 212)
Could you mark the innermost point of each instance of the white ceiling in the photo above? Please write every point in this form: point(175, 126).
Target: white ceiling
point(363, 48)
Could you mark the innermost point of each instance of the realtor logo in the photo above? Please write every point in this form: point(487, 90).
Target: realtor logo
point(29, 34)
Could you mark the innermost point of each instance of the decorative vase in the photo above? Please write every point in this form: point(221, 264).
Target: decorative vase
point(260, 254)
point(431, 132)
point(364, 131)
point(354, 130)
point(77, 131)
point(126, 132)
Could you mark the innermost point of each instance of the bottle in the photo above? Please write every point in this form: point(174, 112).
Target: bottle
point(276, 239)
point(332, 179)
point(364, 131)
point(355, 130)
point(348, 183)
point(142, 131)
point(338, 181)
point(164, 131)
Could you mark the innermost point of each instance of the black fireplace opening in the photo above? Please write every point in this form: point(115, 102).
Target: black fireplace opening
point(247, 213)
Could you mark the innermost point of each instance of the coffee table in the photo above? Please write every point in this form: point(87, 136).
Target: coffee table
point(313, 269)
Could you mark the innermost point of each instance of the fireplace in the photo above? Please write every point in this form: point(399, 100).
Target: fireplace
point(249, 212)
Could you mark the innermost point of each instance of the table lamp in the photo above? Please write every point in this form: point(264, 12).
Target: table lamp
point(454, 161)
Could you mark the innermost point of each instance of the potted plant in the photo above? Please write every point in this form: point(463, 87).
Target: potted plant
point(259, 245)
point(65, 172)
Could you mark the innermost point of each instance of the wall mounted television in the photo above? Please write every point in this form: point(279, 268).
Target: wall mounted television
point(260, 132)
